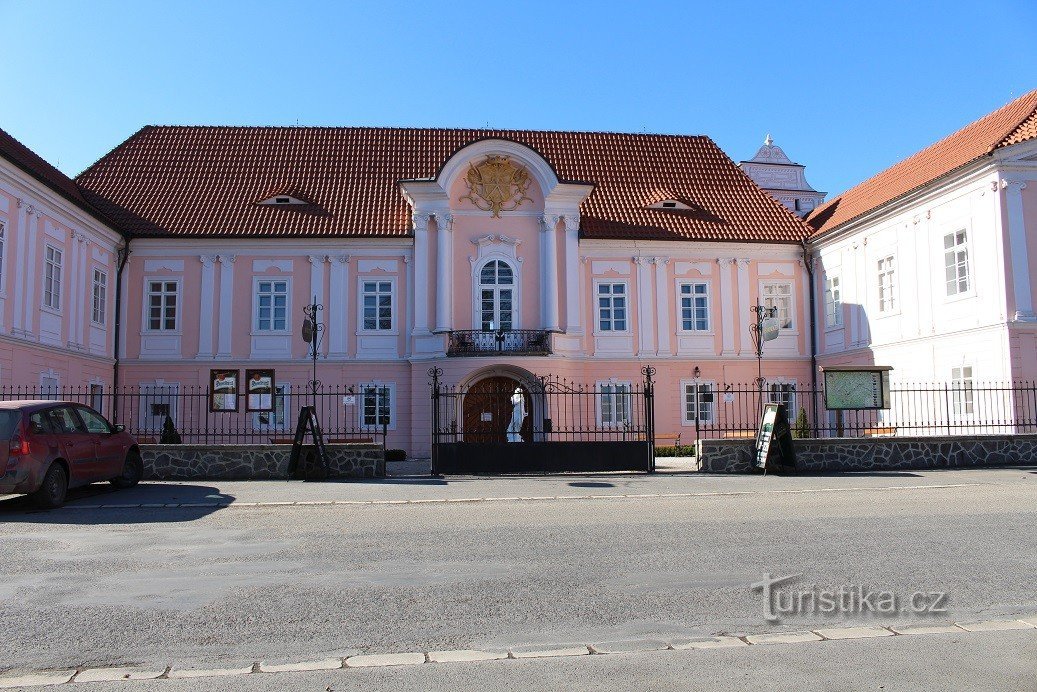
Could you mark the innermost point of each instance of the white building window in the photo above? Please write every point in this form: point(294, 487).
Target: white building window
point(612, 307)
point(956, 262)
point(497, 296)
point(97, 397)
point(100, 297)
point(162, 305)
point(962, 390)
point(52, 278)
point(783, 393)
point(833, 302)
point(699, 402)
point(614, 403)
point(50, 385)
point(271, 305)
point(694, 306)
point(278, 419)
point(778, 294)
point(376, 406)
point(377, 302)
point(887, 284)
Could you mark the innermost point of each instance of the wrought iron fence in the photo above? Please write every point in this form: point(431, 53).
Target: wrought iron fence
point(548, 409)
point(360, 413)
point(965, 408)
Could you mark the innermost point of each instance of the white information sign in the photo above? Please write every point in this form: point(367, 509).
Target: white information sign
point(856, 389)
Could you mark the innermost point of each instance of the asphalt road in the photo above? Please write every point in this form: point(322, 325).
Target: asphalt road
point(463, 563)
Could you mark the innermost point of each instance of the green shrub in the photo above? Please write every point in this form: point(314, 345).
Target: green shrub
point(395, 455)
point(684, 451)
point(169, 434)
point(801, 428)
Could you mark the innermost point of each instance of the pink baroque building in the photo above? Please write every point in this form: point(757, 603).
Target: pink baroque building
point(595, 252)
point(59, 260)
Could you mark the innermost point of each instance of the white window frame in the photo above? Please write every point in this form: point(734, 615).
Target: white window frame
point(764, 285)
point(965, 246)
point(787, 396)
point(685, 386)
point(478, 286)
point(394, 317)
point(708, 295)
point(146, 307)
point(611, 389)
point(833, 301)
point(99, 298)
point(256, 280)
point(886, 268)
point(626, 307)
point(282, 392)
point(362, 390)
point(52, 284)
point(963, 390)
point(157, 392)
point(50, 380)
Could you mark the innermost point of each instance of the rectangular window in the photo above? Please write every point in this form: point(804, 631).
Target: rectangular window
point(377, 297)
point(97, 398)
point(376, 409)
point(779, 295)
point(50, 386)
point(698, 402)
point(100, 297)
point(162, 305)
point(956, 262)
point(612, 307)
point(784, 393)
point(833, 302)
point(961, 388)
point(271, 306)
point(887, 284)
point(52, 278)
point(694, 305)
point(615, 403)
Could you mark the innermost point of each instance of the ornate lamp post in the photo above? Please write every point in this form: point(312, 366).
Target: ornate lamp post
point(756, 329)
point(312, 331)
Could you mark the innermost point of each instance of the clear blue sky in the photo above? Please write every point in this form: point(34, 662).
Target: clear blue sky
point(846, 88)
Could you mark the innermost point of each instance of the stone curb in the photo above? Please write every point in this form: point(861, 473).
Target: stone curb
point(51, 678)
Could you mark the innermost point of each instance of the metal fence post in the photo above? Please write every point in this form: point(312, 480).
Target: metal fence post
point(435, 374)
point(649, 394)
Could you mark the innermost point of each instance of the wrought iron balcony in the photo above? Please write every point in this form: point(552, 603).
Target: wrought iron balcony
point(512, 342)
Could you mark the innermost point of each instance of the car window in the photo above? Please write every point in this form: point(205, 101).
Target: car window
point(94, 422)
point(9, 423)
point(39, 422)
point(65, 420)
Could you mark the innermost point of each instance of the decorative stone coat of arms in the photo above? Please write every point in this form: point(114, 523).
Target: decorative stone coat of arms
point(497, 185)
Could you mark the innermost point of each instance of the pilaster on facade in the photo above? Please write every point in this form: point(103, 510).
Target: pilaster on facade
point(645, 337)
point(224, 346)
point(206, 308)
point(29, 305)
point(1020, 256)
point(726, 306)
point(549, 271)
point(573, 323)
point(662, 307)
point(337, 308)
point(743, 305)
point(444, 271)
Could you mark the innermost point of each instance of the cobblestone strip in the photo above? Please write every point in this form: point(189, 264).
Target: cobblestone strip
point(45, 678)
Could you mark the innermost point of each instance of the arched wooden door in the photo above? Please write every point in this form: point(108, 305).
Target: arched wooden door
point(486, 409)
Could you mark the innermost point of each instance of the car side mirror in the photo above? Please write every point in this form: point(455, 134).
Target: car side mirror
point(119, 428)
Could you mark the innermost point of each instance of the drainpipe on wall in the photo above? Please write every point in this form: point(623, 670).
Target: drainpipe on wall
point(813, 332)
point(124, 256)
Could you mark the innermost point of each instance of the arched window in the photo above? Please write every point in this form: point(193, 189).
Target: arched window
point(496, 295)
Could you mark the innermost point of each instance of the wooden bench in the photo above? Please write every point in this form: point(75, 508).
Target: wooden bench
point(739, 434)
point(880, 432)
point(672, 440)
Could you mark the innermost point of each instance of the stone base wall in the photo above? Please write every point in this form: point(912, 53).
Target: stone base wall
point(253, 462)
point(877, 453)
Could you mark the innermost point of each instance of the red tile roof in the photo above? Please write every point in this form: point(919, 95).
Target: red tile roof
point(1008, 125)
point(205, 181)
point(30, 162)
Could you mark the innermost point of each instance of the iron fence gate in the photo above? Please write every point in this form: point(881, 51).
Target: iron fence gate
point(501, 424)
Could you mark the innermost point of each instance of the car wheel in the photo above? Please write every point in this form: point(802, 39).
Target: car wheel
point(132, 471)
point(52, 491)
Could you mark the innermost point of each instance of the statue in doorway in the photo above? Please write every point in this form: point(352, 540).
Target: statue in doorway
point(518, 415)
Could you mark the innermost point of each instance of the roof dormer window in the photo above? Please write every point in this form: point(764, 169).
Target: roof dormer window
point(281, 200)
point(669, 204)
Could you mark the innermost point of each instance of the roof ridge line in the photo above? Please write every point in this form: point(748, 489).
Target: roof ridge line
point(415, 129)
point(1033, 108)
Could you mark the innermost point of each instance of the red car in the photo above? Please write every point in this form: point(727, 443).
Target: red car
point(47, 447)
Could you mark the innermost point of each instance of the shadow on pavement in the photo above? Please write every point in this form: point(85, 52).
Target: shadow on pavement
point(589, 484)
point(86, 505)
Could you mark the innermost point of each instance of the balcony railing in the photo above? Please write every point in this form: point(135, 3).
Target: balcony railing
point(514, 342)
